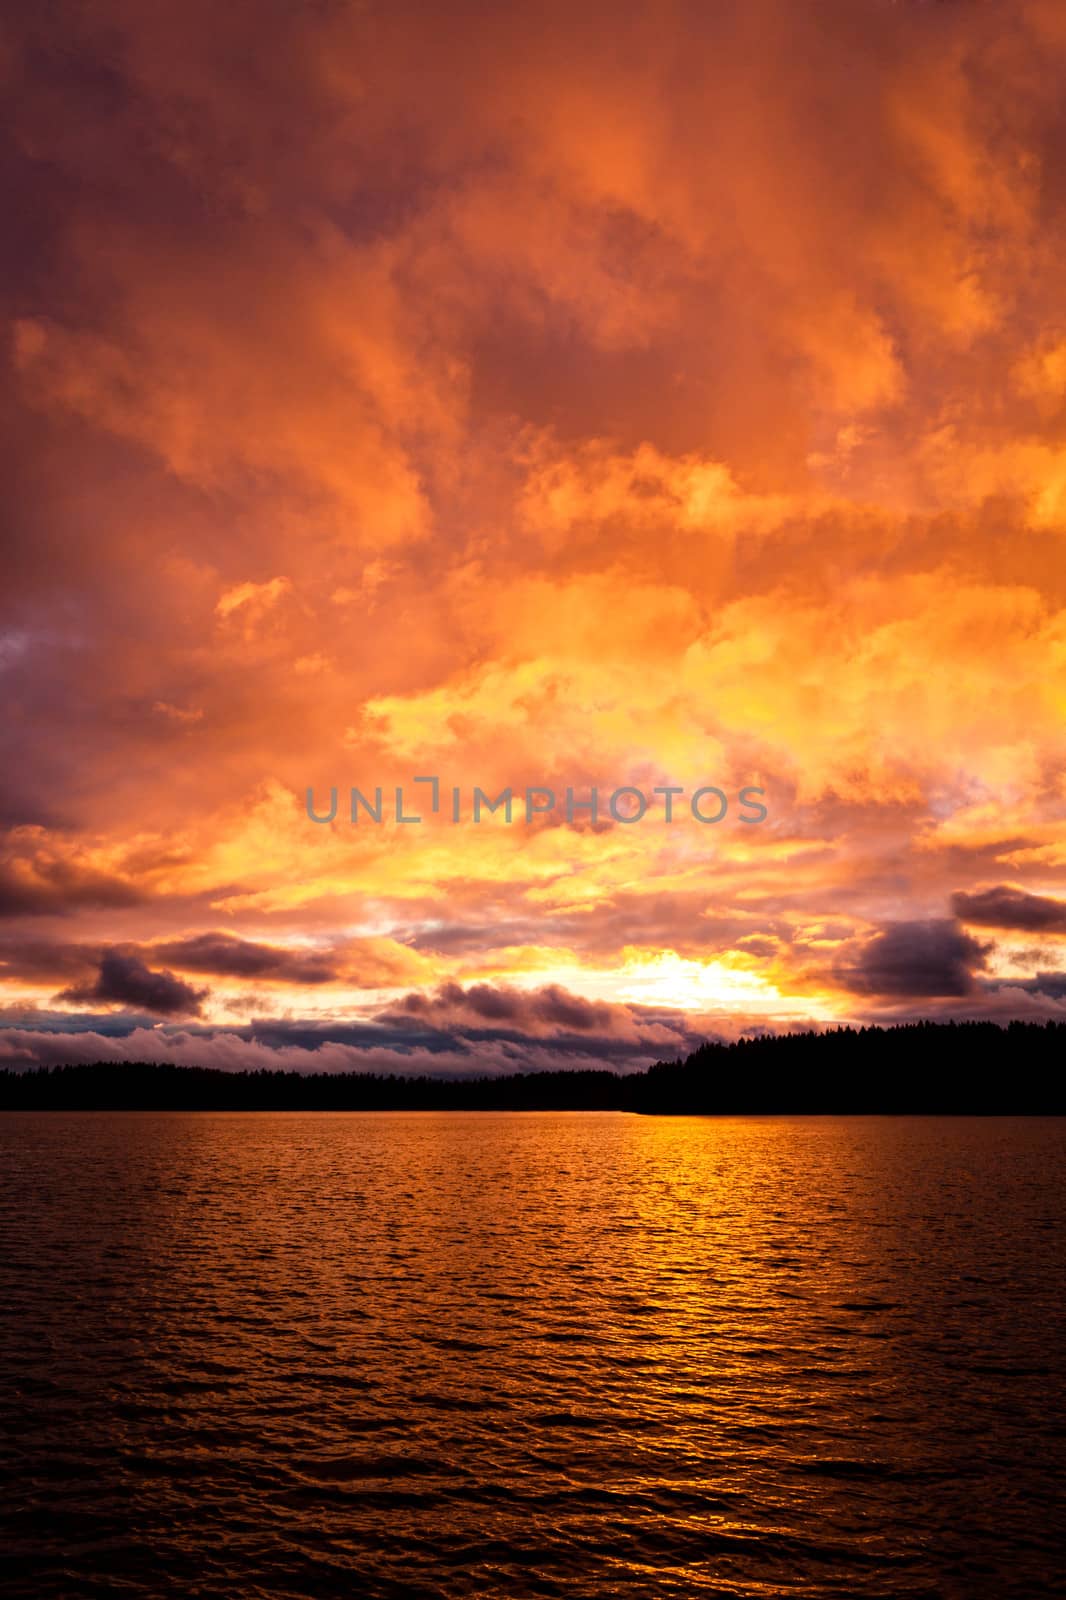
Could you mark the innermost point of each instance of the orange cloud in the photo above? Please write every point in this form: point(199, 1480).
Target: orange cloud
point(669, 398)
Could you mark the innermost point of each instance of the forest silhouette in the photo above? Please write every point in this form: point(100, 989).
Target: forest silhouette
point(953, 1068)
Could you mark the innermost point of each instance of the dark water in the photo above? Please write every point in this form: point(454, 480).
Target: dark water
point(533, 1354)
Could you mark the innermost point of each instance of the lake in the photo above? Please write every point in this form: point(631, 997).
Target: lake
point(583, 1354)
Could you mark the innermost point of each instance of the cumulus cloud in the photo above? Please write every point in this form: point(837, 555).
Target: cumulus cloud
point(548, 1013)
point(123, 979)
point(467, 1031)
point(1052, 984)
point(550, 1006)
point(912, 959)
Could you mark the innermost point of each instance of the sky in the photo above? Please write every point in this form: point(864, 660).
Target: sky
point(558, 395)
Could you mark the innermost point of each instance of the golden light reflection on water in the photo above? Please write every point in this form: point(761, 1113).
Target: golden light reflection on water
point(515, 1354)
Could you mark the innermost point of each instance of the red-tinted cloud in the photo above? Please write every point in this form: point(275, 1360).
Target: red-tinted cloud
point(569, 396)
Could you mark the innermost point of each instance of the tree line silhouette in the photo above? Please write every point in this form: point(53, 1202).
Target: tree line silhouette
point(976, 1068)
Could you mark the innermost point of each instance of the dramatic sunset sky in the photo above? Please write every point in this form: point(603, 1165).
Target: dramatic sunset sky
point(653, 393)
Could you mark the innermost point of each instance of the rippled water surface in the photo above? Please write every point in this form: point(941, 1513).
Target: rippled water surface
point(531, 1354)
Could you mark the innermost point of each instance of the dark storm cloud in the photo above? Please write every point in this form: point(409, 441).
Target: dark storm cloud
point(457, 1021)
point(111, 1025)
point(280, 1033)
point(226, 955)
point(552, 1005)
point(124, 979)
point(913, 959)
point(1052, 984)
point(1007, 907)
